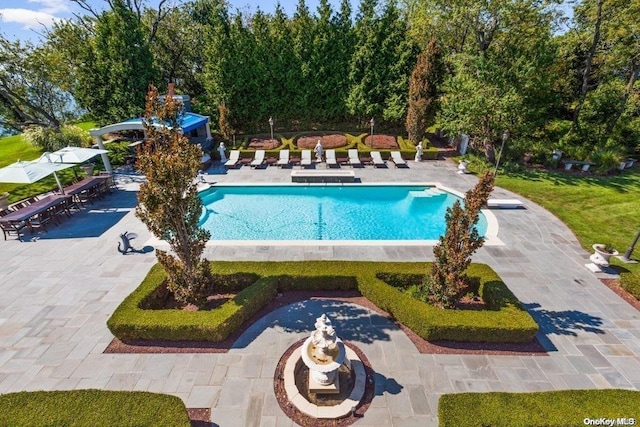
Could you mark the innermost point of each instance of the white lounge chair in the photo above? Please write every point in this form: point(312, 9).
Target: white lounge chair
point(284, 158)
point(306, 158)
point(258, 159)
point(377, 159)
point(234, 158)
point(331, 158)
point(397, 159)
point(354, 159)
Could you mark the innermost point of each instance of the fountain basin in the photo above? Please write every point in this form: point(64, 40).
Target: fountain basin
point(323, 372)
point(330, 412)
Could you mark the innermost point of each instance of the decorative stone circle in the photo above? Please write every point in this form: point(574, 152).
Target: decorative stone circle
point(300, 410)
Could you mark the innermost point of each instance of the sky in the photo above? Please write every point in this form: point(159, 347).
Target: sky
point(24, 19)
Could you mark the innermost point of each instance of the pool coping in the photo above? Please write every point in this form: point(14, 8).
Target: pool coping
point(491, 236)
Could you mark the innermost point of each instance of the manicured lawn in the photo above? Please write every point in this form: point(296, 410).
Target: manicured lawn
point(596, 209)
point(553, 408)
point(14, 148)
point(92, 408)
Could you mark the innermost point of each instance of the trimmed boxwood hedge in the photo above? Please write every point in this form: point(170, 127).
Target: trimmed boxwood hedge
point(505, 321)
point(551, 408)
point(92, 408)
point(130, 322)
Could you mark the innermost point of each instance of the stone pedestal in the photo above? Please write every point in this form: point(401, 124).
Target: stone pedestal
point(318, 388)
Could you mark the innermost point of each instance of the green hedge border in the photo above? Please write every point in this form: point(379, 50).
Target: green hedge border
point(540, 409)
point(506, 321)
point(95, 408)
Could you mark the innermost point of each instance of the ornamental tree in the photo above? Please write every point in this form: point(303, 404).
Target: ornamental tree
point(169, 203)
point(423, 92)
point(448, 282)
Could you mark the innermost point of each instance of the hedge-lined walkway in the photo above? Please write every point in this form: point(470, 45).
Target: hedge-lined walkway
point(56, 294)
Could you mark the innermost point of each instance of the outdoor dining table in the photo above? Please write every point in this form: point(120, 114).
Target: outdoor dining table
point(35, 208)
point(86, 184)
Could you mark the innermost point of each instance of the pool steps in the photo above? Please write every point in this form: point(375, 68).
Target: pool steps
point(427, 192)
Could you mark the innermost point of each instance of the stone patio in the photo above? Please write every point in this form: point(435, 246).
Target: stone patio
point(59, 288)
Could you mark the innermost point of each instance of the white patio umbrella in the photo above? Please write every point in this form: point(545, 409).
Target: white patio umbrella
point(71, 155)
point(22, 172)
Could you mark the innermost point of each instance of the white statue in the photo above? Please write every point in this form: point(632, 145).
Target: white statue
point(419, 152)
point(318, 151)
point(223, 156)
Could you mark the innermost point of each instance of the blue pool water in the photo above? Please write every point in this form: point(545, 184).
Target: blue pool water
point(326, 212)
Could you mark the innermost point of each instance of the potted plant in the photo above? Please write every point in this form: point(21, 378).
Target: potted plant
point(603, 252)
point(4, 201)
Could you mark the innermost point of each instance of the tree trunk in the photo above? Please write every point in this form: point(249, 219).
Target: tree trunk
point(587, 67)
point(635, 69)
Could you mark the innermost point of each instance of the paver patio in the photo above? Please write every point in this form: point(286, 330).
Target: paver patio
point(57, 292)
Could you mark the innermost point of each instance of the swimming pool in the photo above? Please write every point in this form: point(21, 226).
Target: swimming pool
point(327, 212)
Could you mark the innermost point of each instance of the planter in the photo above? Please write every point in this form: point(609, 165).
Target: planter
point(601, 257)
point(4, 201)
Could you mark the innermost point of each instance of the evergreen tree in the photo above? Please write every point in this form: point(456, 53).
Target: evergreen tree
point(448, 282)
point(117, 67)
point(381, 63)
point(363, 99)
point(423, 92)
point(169, 203)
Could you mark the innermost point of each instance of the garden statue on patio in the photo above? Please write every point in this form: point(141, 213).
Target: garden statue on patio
point(318, 151)
point(125, 245)
point(419, 152)
point(221, 149)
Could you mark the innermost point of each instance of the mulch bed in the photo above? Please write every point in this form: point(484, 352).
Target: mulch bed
point(289, 297)
point(381, 141)
point(614, 285)
point(200, 417)
point(304, 420)
point(328, 141)
point(263, 144)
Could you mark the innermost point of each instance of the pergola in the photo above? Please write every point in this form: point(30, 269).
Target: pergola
point(188, 123)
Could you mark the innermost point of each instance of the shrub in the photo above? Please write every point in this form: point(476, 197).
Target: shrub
point(131, 322)
point(118, 152)
point(402, 281)
point(549, 408)
point(50, 139)
point(506, 322)
point(606, 159)
point(96, 408)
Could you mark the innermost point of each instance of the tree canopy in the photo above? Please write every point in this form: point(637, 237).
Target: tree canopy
point(501, 65)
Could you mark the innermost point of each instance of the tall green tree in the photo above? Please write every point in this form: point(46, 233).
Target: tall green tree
point(302, 27)
point(29, 91)
point(178, 48)
point(382, 60)
point(169, 203)
point(117, 67)
point(504, 81)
